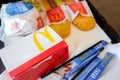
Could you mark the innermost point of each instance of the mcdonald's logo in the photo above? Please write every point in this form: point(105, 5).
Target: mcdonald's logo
point(46, 34)
point(55, 15)
point(78, 7)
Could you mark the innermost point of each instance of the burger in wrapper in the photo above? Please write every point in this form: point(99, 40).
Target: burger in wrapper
point(57, 19)
point(20, 18)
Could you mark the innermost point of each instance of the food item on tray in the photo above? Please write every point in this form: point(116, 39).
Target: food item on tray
point(20, 18)
point(69, 1)
point(84, 22)
point(80, 17)
point(59, 2)
point(52, 3)
point(62, 29)
point(57, 19)
point(45, 4)
point(62, 2)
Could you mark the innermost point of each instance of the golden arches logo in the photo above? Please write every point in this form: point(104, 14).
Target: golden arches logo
point(56, 17)
point(45, 34)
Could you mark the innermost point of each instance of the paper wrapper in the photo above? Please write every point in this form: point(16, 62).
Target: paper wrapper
point(20, 18)
point(80, 17)
point(58, 20)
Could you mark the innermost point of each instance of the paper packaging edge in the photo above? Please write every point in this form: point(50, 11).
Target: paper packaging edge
point(60, 41)
point(37, 68)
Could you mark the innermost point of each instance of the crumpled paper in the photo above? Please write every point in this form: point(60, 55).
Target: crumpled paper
point(20, 18)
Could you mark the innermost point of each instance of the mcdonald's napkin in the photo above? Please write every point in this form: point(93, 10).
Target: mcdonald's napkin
point(35, 54)
point(20, 18)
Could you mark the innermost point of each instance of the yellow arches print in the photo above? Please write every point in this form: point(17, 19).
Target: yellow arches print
point(46, 34)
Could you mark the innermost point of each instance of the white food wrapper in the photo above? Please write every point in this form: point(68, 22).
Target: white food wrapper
point(20, 18)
